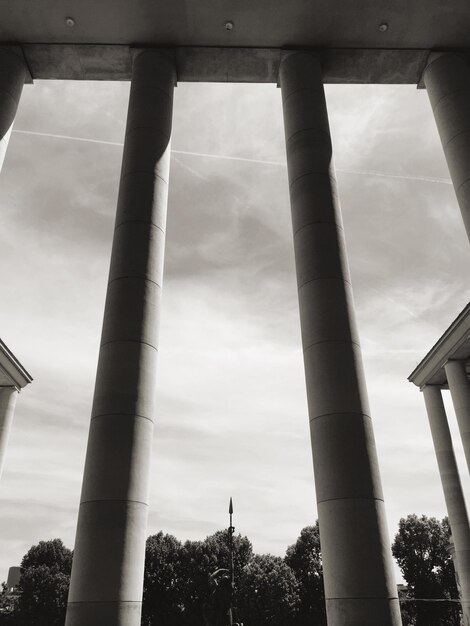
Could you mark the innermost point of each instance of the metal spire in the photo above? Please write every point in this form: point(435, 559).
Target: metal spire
point(231, 530)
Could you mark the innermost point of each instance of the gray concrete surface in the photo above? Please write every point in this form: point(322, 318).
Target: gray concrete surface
point(359, 42)
point(454, 344)
point(8, 397)
point(221, 64)
point(460, 391)
point(12, 78)
point(452, 487)
point(268, 24)
point(108, 565)
point(447, 80)
point(360, 588)
point(13, 376)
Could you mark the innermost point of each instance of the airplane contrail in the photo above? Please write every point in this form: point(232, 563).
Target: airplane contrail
point(231, 158)
point(184, 152)
point(427, 179)
point(84, 139)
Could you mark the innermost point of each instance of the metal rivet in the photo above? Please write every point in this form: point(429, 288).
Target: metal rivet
point(383, 27)
point(228, 25)
point(70, 22)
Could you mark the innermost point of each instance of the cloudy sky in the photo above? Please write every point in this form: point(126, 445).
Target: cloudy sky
point(232, 414)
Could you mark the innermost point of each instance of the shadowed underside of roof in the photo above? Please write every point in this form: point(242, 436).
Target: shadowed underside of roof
point(365, 41)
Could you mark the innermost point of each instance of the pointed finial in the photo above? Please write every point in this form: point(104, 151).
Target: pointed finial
point(230, 507)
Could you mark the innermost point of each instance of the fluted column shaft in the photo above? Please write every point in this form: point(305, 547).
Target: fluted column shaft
point(460, 392)
point(108, 564)
point(453, 493)
point(12, 77)
point(447, 80)
point(8, 397)
point(359, 583)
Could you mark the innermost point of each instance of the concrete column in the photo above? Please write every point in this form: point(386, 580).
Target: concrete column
point(359, 583)
point(8, 397)
point(460, 392)
point(453, 494)
point(12, 77)
point(447, 80)
point(108, 564)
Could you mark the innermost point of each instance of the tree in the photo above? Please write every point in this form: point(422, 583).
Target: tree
point(8, 604)
point(421, 551)
point(268, 592)
point(177, 576)
point(44, 585)
point(162, 581)
point(304, 558)
point(200, 559)
point(407, 608)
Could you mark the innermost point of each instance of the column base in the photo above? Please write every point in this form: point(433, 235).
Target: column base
point(363, 611)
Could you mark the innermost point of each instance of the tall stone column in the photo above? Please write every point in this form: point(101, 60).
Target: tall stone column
point(359, 583)
point(12, 77)
point(8, 397)
point(460, 392)
point(108, 564)
point(447, 80)
point(453, 494)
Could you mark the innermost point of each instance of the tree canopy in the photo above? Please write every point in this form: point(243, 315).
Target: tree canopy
point(43, 586)
point(304, 559)
point(177, 576)
point(186, 584)
point(163, 583)
point(268, 592)
point(421, 550)
point(178, 589)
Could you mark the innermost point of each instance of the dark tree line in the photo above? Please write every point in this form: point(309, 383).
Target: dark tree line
point(268, 589)
point(43, 587)
point(421, 549)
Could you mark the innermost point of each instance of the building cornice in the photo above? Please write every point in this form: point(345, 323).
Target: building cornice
point(453, 339)
point(12, 368)
point(232, 64)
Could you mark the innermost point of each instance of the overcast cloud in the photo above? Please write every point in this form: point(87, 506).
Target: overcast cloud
point(232, 416)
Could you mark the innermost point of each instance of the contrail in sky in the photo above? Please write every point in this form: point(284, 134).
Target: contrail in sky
point(230, 158)
point(185, 152)
point(426, 179)
point(33, 132)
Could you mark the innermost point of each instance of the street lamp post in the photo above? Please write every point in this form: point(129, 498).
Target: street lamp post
point(231, 530)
